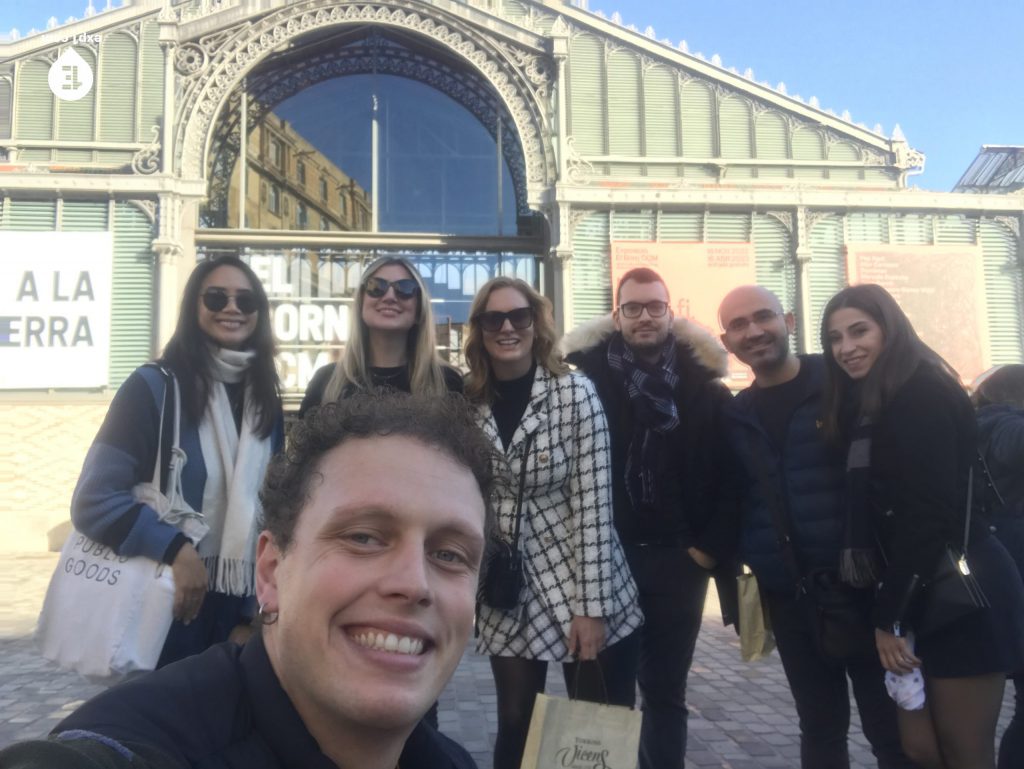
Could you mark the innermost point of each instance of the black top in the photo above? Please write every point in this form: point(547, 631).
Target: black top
point(775, 405)
point(223, 708)
point(511, 399)
point(396, 378)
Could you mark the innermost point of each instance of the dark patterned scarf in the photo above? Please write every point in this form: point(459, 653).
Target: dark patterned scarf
point(859, 559)
point(650, 389)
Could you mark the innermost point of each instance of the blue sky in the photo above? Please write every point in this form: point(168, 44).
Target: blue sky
point(947, 71)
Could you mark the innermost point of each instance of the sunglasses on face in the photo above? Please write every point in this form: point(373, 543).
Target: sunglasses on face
point(633, 310)
point(492, 320)
point(406, 288)
point(216, 299)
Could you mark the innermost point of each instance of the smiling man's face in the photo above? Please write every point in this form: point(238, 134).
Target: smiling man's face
point(375, 594)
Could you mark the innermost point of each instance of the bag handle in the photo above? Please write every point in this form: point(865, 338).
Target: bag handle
point(575, 693)
point(522, 485)
point(158, 465)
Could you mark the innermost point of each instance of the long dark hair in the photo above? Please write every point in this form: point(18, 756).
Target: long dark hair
point(902, 354)
point(188, 351)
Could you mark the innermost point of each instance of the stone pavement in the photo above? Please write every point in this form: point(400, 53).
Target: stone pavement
point(741, 715)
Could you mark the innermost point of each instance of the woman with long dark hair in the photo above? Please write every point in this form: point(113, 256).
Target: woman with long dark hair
point(222, 357)
point(911, 435)
point(578, 601)
point(394, 344)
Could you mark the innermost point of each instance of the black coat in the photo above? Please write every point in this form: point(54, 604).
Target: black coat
point(222, 709)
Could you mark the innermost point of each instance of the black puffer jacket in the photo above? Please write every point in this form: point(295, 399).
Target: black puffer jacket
point(1001, 440)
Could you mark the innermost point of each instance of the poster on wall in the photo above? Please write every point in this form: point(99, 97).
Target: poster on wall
point(55, 299)
point(698, 276)
point(942, 290)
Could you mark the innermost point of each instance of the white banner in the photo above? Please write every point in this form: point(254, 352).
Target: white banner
point(55, 302)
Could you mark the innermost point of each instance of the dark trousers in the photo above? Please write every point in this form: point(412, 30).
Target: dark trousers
point(1010, 531)
point(672, 592)
point(518, 681)
point(218, 616)
point(822, 698)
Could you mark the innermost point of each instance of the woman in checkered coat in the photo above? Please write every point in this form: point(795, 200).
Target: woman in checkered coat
point(579, 601)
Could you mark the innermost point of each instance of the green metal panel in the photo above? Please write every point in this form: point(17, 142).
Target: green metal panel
point(75, 119)
point(151, 70)
point(84, 216)
point(586, 94)
point(728, 227)
point(736, 132)
point(1003, 293)
point(514, 10)
point(117, 86)
point(808, 145)
point(770, 135)
point(661, 118)
point(881, 176)
point(955, 229)
point(844, 151)
point(632, 225)
point(33, 107)
point(867, 227)
point(688, 226)
point(773, 257)
point(698, 116)
point(6, 100)
point(38, 215)
point(591, 273)
point(624, 135)
point(131, 342)
point(826, 272)
point(911, 229)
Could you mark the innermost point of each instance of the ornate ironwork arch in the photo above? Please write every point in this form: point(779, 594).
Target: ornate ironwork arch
point(213, 68)
point(371, 52)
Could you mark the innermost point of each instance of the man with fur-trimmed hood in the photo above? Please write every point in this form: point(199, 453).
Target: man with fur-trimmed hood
point(658, 378)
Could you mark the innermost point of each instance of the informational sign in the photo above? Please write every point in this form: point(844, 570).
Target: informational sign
point(310, 330)
point(55, 290)
point(942, 291)
point(698, 276)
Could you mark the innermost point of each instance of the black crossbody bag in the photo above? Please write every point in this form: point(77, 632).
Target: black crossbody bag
point(503, 577)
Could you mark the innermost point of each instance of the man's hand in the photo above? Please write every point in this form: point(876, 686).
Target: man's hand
point(702, 559)
point(586, 637)
point(189, 583)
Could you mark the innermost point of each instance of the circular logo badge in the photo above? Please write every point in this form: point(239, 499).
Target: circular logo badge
point(70, 76)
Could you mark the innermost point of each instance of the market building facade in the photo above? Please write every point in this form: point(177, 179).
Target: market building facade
point(476, 137)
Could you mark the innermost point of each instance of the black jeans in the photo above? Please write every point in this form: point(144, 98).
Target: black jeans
point(672, 591)
point(518, 681)
point(822, 698)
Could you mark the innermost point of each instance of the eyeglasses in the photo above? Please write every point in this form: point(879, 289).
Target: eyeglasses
point(492, 320)
point(655, 309)
point(216, 299)
point(760, 318)
point(406, 288)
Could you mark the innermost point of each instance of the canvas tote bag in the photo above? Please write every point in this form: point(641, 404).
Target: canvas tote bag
point(756, 639)
point(106, 616)
point(575, 733)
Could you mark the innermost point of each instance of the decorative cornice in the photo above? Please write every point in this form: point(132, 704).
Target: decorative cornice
point(1012, 223)
point(147, 160)
point(580, 171)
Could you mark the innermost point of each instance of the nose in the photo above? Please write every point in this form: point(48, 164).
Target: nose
point(506, 323)
point(408, 577)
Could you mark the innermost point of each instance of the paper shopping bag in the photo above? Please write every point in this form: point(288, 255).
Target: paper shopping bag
point(577, 734)
point(756, 639)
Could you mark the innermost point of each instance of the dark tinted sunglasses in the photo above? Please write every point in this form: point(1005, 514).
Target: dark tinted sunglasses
point(216, 300)
point(406, 288)
point(492, 320)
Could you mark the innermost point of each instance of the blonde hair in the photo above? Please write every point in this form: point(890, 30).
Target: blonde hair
point(480, 379)
point(426, 369)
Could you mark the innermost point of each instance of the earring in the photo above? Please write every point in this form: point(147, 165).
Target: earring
point(266, 617)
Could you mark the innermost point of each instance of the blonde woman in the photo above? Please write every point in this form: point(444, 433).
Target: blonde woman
point(394, 344)
point(579, 601)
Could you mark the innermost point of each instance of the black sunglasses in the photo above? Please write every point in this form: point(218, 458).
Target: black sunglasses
point(492, 320)
point(216, 299)
point(406, 288)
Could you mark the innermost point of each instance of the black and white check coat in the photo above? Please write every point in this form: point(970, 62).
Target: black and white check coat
point(574, 560)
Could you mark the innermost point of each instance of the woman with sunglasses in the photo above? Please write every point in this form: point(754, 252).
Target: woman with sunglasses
point(911, 435)
point(394, 345)
point(579, 601)
point(222, 357)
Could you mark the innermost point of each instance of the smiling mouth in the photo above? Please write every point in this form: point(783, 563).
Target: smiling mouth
point(508, 342)
point(389, 642)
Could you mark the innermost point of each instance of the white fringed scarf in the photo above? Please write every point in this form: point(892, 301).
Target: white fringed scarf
point(235, 463)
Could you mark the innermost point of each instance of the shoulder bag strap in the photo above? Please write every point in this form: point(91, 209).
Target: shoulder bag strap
point(522, 485)
point(970, 500)
point(161, 468)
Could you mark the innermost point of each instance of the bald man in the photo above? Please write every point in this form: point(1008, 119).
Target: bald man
point(793, 484)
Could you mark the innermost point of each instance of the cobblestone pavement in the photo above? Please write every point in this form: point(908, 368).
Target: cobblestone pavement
point(741, 715)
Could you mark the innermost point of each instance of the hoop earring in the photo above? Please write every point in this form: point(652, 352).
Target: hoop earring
point(266, 617)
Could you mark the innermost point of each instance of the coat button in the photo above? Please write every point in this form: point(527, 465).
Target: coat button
point(889, 513)
point(547, 539)
point(543, 458)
